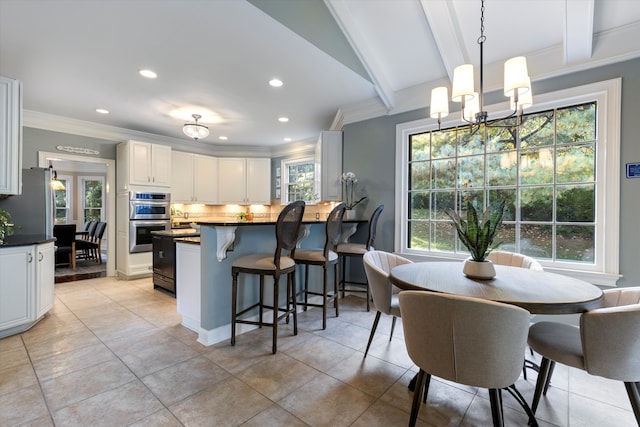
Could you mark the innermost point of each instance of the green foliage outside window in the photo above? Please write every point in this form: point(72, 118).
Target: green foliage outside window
point(301, 182)
point(544, 170)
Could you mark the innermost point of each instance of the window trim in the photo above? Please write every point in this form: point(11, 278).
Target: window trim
point(608, 96)
point(82, 194)
point(284, 177)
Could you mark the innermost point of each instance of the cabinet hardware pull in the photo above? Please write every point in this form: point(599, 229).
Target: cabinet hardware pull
point(40, 256)
point(30, 257)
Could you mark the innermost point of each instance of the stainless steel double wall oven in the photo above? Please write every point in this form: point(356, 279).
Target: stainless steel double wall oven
point(147, 212)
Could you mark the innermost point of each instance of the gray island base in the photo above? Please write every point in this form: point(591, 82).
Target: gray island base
point(203, 272)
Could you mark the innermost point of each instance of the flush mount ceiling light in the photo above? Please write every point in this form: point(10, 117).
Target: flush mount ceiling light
point(195, 130)
point(276, 82)
point(517, 86)
point(148, 74)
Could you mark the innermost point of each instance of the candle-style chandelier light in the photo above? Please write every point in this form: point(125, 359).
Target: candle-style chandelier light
point(517, 86)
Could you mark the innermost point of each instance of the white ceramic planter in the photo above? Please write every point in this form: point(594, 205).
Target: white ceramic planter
point(478, 270)
point(349, 214)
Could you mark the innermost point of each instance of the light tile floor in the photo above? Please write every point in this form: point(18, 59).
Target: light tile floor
point(113, 353)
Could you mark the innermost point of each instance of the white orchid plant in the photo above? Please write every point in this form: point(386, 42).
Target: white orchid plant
point(350, 181)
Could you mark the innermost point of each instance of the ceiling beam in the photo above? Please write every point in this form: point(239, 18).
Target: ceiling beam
point(578, 30)
point(446, 31)
point(349, 26)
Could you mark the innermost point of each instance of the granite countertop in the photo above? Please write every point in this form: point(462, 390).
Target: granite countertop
point(178, 232)
point(26, 240)
point(192, 240)
point(232, 221)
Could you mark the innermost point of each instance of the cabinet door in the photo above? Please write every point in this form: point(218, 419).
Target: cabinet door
point(329, 155)
point(258, 181)
point(16, 290)
point(205, 179)
point(10, 136)
point(45, 278)
point(181, 177)
point(231, 181)
point(139, 163)
point(161, 165)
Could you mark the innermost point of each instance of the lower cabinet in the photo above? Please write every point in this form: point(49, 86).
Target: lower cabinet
point(164, 263)
point(45, 278)
point(26, 286)
point(188, 284)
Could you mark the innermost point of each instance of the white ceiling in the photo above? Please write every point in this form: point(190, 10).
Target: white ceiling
point(340, 60)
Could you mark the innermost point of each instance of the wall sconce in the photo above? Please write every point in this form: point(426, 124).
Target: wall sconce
point(56, 184)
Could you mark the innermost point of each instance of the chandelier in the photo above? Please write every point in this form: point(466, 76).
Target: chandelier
point(195, 130)
point(517, 86)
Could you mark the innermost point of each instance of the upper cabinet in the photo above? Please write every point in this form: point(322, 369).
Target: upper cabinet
point(243, 181)
point(10, 136)
point(329, 165)
point(194, 178)
point(143, 163)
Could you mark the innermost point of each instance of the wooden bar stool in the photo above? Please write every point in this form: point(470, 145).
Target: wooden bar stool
point(323, 257)
point(275, 265)
point(357, 250)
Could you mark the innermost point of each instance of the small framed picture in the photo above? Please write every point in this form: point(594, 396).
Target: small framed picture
point(277, 193)
point(277, 182)
point(277, 172)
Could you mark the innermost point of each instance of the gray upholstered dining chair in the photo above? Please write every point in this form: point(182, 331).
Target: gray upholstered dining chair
point(275, 265)
point(325, 258)
point(514, 260)
point(607, 344)
point(377, 267)
point(470, 341)
point(357, 250)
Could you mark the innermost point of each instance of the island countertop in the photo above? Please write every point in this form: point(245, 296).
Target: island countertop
point(25, 240)
point(272, 220)
point(177, 232)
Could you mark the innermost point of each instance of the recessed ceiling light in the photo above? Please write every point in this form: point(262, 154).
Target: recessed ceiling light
point(287, 140)
point(275, 82)
point(148, 74)
point(223, 138)
point(283, 119)
point(102, 111)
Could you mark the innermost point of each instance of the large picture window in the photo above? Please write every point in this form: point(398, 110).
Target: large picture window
point(551, 171)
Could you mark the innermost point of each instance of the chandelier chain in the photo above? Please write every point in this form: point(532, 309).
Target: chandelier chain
point(482, 37)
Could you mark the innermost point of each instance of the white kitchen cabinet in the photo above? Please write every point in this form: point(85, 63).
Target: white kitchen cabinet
point(244, 181)
point(45, 278)
point(329, 165)
point(194, 178)
point(188, 286)
point(16, 289)
point(143, 163)
point(26, 286)
point(10, 136)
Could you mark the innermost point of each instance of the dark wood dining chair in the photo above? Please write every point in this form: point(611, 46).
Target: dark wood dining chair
point(65, 244)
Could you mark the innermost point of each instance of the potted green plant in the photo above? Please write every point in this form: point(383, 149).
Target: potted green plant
point(6, 226)
point(477, 233)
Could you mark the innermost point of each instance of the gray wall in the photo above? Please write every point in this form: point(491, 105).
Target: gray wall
point(369, 151)
point(35, 140)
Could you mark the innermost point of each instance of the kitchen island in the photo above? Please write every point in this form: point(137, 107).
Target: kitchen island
point(27, 264)
point(208, 309)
